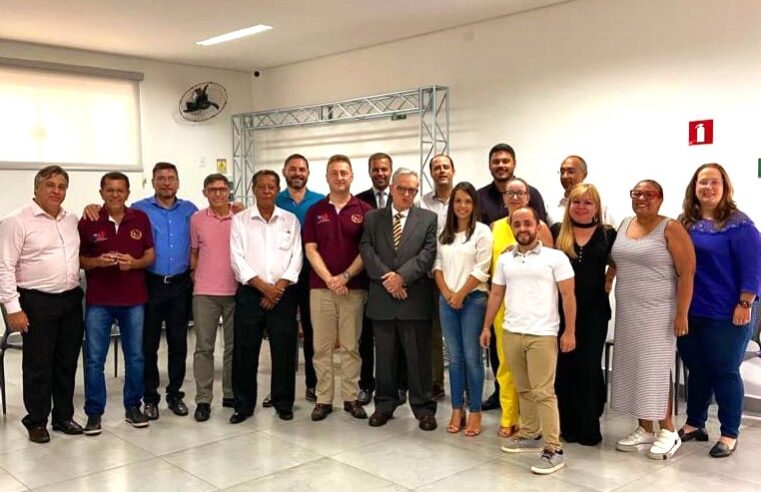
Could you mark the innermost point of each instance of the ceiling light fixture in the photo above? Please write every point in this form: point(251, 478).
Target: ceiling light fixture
point(240, 33)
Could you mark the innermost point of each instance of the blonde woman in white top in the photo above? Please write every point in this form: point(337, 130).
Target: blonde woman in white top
point(461, 270)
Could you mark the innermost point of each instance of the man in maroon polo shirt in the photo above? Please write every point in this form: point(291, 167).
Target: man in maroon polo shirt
point(114, 252)
point(338, 286)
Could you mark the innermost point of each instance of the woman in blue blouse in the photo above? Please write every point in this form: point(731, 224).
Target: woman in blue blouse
point(727, 281)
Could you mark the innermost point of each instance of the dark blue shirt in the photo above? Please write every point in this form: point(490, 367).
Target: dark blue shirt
point(728, 263)
point(171, 234)
point(284, 201)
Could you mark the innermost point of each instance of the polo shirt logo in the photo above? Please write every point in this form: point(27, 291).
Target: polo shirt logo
point(322, 218)
point(100, 236)
point(356, 218)
point(136, 234)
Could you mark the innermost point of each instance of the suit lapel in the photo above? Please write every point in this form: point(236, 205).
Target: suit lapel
point(409, 227)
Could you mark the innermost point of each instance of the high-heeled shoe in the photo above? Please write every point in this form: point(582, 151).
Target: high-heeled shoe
point(474, 424)
point(505, 432)
point(457, 422)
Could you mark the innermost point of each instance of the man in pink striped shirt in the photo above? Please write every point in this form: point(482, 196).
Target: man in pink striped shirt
point(39, 289)
point(214, 292)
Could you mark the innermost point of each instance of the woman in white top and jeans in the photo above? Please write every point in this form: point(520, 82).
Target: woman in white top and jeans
point(461, 270)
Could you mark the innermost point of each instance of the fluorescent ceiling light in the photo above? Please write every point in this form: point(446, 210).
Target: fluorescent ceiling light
point(240, 33)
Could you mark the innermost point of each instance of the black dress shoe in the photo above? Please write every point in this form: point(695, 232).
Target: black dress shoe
point(364, 396)
point(321, 410)
point(310, 395)
point(378, 419)
point(178, 407)
point(491, 403)
point(68, 427)
point(151, 410)
point(699, 434)
point(285, 414)
point(38, 434)
point(355, 409)
point(400, 396)
point(228, 402)
point(267, 402)
point(203, 412)
point(720, 450)
point(238, 417)
point(427, 422)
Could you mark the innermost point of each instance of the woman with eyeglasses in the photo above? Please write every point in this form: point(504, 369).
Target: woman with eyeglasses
point(726, 284)
point(516, 196)
point(655, 264)
point(461, 270)
point(579, 382)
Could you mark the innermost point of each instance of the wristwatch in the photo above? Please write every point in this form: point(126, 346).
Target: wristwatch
point(346, 275)
point(745, 304)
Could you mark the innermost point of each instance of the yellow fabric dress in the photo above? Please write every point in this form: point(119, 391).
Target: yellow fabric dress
point(508, 397)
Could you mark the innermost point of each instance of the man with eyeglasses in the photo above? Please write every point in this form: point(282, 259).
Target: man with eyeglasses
point(398, 248)
point(573, 170)
point(213, 292)
point(492, 204)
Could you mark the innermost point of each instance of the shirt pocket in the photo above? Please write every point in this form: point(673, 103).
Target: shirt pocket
point(284, 239)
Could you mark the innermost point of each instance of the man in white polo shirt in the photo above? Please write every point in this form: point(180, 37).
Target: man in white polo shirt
point(527, 279)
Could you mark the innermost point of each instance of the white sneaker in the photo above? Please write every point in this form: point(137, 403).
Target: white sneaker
point(637, 438)
point(665, 446)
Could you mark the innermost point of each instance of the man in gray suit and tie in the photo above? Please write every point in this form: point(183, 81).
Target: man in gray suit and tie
point(398, 248)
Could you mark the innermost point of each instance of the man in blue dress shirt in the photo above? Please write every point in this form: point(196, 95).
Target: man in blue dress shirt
point(169, 287)
point(297, 199)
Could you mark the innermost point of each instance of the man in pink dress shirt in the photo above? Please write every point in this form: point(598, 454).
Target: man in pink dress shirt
point(39, 289)
point(214, 292)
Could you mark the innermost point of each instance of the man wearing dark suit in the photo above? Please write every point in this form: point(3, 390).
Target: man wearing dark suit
point(398, 248)
point(379, 167)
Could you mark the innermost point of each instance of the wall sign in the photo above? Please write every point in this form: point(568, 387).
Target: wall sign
point(701, 132)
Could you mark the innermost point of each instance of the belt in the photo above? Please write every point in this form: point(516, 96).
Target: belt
point(170, 279)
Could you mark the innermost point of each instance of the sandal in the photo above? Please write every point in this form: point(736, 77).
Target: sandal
point(506, 432)
point(474, 424)
point(456, 424)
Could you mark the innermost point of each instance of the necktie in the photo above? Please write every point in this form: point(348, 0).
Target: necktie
point(381, 199)
point(397, 230)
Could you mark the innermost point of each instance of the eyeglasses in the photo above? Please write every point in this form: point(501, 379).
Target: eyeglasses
point(406, 191)
point(219, 191)
point(713, 183)
point(515, 194)
point(647, 195)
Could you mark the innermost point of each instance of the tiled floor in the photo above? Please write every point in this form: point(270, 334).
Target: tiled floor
point(264, 453)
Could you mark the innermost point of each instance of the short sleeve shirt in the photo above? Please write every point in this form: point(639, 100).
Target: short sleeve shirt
point(337, 236)
point(210, 235)
point(531, 293)
point(110, 286)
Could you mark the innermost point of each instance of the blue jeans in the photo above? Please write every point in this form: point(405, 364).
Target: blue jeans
point(713, 351)
point(98, 321)
point(461, 329)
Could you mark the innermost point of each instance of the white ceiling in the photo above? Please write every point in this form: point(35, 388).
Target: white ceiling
point(167, 30)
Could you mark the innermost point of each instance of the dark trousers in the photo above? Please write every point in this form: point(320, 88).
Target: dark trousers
point(409, 340)
point(302, 298)
point(251, 320)
point(50, 353)
point(579, 382)
point(168, 302)
point(713, 351)
point(367, 354)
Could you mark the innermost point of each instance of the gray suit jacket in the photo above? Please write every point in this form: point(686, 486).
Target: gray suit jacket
point(413, 260)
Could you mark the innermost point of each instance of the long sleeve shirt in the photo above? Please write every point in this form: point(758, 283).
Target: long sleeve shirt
point(37, 252)
point(268, 250)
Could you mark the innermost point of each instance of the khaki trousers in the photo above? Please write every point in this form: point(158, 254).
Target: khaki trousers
point(336, 317)
point(206, 313)
point(532, 360)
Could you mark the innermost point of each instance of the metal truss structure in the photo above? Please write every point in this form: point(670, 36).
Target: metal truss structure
point(430, 104)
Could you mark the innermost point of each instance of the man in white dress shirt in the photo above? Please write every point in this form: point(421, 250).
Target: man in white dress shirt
point(441, 168)
point(39, 289)
point(266, 254)
point(573, 170)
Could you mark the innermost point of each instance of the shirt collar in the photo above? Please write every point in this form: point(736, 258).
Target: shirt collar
point(277, 212)
point(376, 191)
point(394, 212)
point(211, 213)
point(533, 251)
point(174, 205)
point(37, 210)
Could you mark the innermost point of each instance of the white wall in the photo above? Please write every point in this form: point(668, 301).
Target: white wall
point(615, 81)
point(165, 136)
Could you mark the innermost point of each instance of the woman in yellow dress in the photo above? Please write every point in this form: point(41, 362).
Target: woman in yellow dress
point(515, 196)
